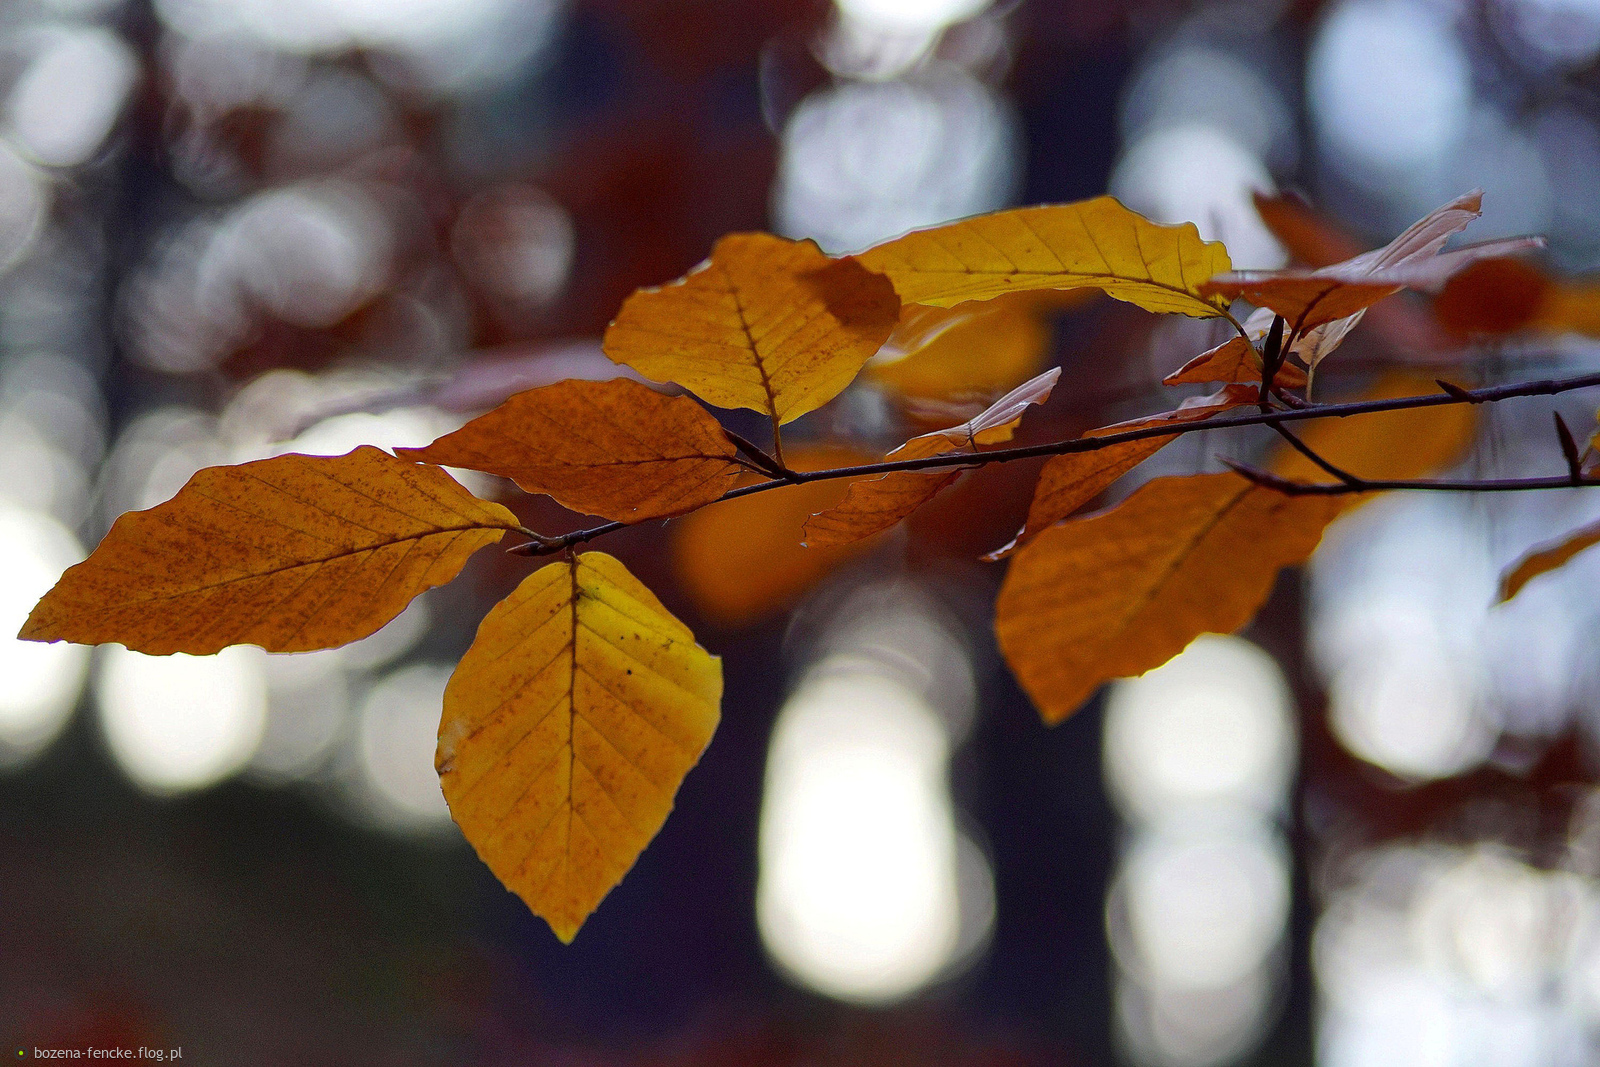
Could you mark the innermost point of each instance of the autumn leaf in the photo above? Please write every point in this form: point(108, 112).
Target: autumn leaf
point(1118, 593)
point(1194, 409)
point(1234, 360)
point(766, 323)
point(1500, 296)
point(741, 559)
point(872, 505)
point(975, 349)
point(613, 448)
point(1388, 445)
point(1070, 481)
point(1307, 298)
point(568, 727)
point(1308, 236)
point(1097, 244)
point(291, 553)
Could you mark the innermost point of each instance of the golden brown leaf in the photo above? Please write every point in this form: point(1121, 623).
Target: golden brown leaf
point(766, 323)
point(740, 559)
point(1096, 244)
point(290, 553)
point(872, 505)
point(1195, 409)
point(568, 727)
point(613, 448)
point(1416, 259)
point(1234, 360)
point(1069, 482)
point(1547, 557)
point(1121, 592)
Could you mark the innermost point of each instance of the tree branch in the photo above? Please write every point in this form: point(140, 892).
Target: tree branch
point(1275, 418)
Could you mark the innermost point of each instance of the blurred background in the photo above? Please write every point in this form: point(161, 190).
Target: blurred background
point(1363, 832)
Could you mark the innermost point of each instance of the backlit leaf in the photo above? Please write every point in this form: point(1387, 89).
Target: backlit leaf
point(290, 553)
point(1547, 557)
point(1069, 482)
point(766, 323)
point(568, 727)
point(874, 504)
point(1097, 244)
point(1194, 409)
point(613, 448)
point(1234, 360)
point(1415, 260)
point(1118, 593)
point(741, 559)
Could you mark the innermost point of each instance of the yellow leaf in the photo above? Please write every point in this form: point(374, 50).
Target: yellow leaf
point(1068, 482)
point(613, 448)
point(766, 323)
point(1547, 557)
point(1118, 593)
point(1097, 244)
point(973, 349)
point(568, 727)
point(872, 505)
point(290, 553)
point(1389, 445)
point(741, 559)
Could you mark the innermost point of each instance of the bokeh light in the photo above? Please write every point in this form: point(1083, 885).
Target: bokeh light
point(179, 723)
point(42, 681)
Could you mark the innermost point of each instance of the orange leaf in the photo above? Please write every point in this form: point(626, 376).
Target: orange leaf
point(1410, 443)
point(1234, 360)
point(568, 727)
point(1068, 482)
point(613, 448)
point(1308, 236)
point(1415, 259)
point(872, 505)
point(290, 553)
point(978, 348)
point(766, 323)
point(1195, 409)
point(1121, 592)
point(1547, 557)
point(1093, 244)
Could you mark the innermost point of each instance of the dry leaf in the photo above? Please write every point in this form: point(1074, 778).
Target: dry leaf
point(1097, 244)
point(613, 448)
point(1547, 557)
point(978, 348)
point(1234, 360)
point(1069, 482)
point(1121, 592)
point(872, 505)
point(766, 323)
point(1195, 409)
point(568, 727)
point(1308, 236)
point(741, 559)
point(1389, 445)
point(291, 553)
point(1311, 297)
